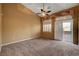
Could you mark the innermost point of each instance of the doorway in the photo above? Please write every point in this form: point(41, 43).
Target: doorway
point(64, 28)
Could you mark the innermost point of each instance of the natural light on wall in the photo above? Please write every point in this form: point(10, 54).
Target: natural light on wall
point(66, 26)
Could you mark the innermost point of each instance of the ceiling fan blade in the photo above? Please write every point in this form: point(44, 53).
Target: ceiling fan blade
point(48, 11)
point(38, 13)
point(41, 9)
point(47, 14)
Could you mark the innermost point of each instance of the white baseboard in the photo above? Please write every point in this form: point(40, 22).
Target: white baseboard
point(19, 41)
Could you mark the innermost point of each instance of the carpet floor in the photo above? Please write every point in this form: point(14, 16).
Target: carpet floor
point(40, 47)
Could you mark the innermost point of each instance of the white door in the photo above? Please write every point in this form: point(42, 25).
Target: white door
point(68, 30)
point(58, 30)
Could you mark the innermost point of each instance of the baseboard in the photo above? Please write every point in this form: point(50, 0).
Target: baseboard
point(19, 41)
point(0, 49)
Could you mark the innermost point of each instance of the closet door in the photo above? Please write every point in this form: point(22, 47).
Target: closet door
point(58, 30)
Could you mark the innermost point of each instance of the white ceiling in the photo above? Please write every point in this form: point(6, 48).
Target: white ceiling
point(54, 7)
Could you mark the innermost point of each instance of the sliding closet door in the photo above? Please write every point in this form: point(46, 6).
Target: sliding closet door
point(58, 30)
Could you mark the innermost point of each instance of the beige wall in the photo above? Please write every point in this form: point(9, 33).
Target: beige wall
point(19, 23)
point(0, 26)
point(78, 25)
point(75, 24)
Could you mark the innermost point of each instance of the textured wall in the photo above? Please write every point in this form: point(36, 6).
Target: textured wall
point(78, 25)
point(75, 24)
point(0, 26)
point(19, 23)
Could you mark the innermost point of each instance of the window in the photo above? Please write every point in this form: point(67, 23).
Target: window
point(67, 26)
point(47, 26)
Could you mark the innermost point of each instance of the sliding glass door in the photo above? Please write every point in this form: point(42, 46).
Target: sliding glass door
point(64, 29)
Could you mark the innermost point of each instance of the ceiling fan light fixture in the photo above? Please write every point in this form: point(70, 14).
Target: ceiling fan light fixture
point(43, 14)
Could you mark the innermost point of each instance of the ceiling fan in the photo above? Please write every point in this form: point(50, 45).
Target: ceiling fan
point(44, 12)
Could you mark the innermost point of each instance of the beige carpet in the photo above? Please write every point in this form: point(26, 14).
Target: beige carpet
point(40, 47)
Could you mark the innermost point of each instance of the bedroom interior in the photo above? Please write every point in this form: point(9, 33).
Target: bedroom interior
point(39, 29)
